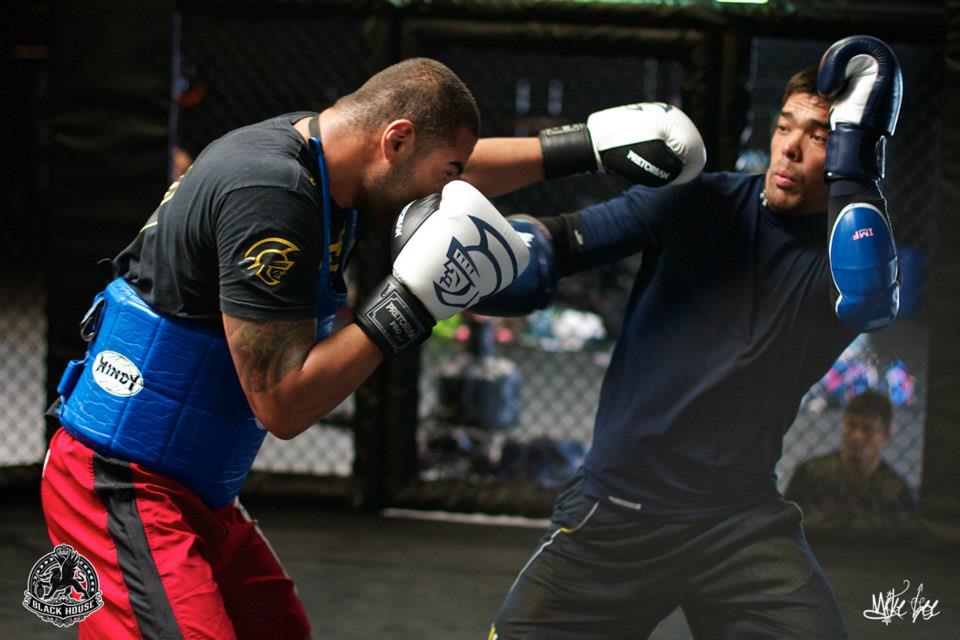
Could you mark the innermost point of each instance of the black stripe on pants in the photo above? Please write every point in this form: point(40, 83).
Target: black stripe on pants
point(113, 482)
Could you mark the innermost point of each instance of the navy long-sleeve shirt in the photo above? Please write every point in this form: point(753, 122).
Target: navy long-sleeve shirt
point(728, 325)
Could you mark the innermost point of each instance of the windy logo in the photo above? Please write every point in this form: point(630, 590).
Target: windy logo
point(116, 374)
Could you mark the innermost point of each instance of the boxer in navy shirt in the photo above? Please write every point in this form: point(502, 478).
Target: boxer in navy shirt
point(733, 316)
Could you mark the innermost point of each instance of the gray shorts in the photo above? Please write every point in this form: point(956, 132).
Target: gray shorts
point(602, 572)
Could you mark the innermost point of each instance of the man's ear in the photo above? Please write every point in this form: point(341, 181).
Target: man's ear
point(398, 139)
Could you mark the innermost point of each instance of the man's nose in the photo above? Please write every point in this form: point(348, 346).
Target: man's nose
point(791, 147)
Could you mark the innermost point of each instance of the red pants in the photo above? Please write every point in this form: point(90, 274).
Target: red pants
point(168, 565)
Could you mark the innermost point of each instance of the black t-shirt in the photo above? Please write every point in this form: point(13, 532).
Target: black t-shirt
point(241, 232)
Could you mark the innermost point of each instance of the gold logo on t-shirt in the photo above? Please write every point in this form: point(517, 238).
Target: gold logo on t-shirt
point(270, 259)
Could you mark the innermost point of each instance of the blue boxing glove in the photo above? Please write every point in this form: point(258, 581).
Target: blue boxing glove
point(534, 287)
point(863, 261)
point(861, 76)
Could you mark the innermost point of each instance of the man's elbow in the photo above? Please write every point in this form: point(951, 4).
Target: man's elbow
point(287, 422)
point(284, 431)
point(282, 423)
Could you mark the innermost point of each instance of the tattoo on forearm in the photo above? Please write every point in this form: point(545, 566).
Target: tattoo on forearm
point(266, 351)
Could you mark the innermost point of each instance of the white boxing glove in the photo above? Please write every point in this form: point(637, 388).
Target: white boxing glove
point(650, 143)
point(451, 250)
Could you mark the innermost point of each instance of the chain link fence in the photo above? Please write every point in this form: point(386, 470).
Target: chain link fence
point(235, 70)
point(23, 335)
point(24, 209)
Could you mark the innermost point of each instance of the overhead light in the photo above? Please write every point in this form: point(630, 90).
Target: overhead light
point(741, 1)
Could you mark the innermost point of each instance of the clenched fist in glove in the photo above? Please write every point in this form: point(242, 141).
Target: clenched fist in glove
point(650, 143)
point(451, 250)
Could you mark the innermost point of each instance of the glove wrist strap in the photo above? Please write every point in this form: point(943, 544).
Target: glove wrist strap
point(394, 319)
point(567, 150)
point(854, 153)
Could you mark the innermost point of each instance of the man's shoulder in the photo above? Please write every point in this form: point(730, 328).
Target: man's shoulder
point(717, 181)
point(885, 475)
point(266, 154)
point(705, 192)
point(724, 189)
point(281, 123)
point(824, 465)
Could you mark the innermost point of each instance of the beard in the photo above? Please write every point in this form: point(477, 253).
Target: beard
point(381, 199)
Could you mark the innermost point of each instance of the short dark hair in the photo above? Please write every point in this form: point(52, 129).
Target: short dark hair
point(421, 90)
point(803, 81)
point(872, 404)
